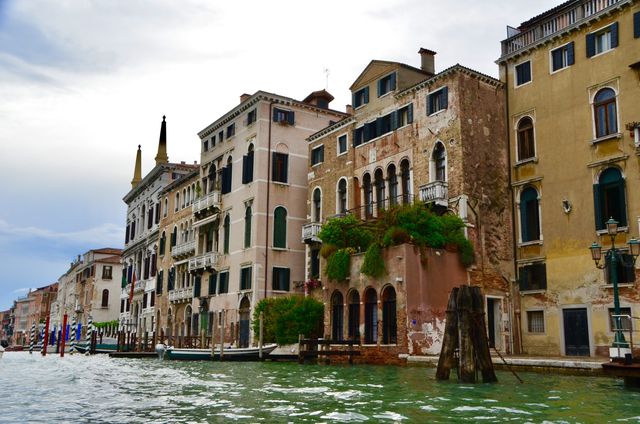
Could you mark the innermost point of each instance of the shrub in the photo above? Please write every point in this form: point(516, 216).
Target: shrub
point(394, 236)
point(287, 317)
point(373, 263)
point(327, 250)
point(338, 265)
point(346, 232)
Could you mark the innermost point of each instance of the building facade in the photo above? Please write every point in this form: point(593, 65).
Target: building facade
point(415, 135)
point(251, 208)
point(572, 79)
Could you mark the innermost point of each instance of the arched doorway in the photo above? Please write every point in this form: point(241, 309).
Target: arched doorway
point(187, 320)
point(389, 323)
point(170, 323)
point(370, 316)
point(337, 315)
point(245, 312)
point(354, 315)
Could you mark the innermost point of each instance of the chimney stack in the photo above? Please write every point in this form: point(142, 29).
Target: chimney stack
point(244, 97)
point(349, 110)
point(428, 60)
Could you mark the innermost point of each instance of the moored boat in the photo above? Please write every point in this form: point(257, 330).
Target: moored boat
point(1, 351)
point(230, 354)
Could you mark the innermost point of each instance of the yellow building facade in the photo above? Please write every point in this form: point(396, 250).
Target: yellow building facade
point(572, 78)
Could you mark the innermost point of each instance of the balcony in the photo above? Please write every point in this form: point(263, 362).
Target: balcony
point(181, 295)
point(436, 192)
point(310, 232)
point(208, 201)
point(208, 260)
point(562, 20)
point(184, 249)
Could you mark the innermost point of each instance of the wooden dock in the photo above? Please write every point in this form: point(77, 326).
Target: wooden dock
point(316, 348)
point(630, 372)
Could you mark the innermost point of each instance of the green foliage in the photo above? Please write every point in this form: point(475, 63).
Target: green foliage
point(327, 250)
point(338, 265)
point(106, 324)
point(395, 236)
point(373, 263)
point(287, 317)
point(346, 232)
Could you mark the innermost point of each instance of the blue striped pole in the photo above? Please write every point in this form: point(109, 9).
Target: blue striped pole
point(73, 335)
point(33, 337)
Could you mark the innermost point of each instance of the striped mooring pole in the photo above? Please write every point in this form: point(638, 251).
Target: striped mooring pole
point(87, 346)
point(73, 336)
point(32, 338)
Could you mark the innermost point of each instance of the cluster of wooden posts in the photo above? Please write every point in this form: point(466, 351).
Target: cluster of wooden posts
point(130, 341)
point(314, 349)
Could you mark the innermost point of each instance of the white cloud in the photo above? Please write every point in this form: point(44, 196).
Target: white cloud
point(103, 235)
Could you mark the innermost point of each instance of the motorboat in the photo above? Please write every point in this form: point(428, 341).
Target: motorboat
point(228, 353)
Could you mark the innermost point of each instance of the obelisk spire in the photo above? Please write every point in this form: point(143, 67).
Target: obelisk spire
point(162, 157)
point(137, 171)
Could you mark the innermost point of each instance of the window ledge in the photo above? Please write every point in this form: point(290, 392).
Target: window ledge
point(523, 84)
point(610, 286)
point(280, 183)
point(620, 230)
point(315, 165)
point(279, 249)
point(533, 159)
point(530, 243)
point(536, 291)
point(341, 154)
point(437, 112)
point(606, 137)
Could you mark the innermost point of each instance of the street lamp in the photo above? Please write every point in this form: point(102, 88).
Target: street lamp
point(612, 257)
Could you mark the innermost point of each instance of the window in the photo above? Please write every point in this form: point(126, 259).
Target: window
point(177, 202)
point(245, 278)
point(174, 236)
point(342, 144)
point(337, 316)
point(533, 277)
point(247, 227)
point(280, 167)
point(386, 84)
point(283, 117)
point(226, 227)
point(405, 115)
point(535, 321)
point(166, 207)
point(405, 180)
point(636, 25)
point(438, 100)
point(393, 184)
point(354, 315)
point(231, 130)
point(224, 283)
point(360, 97)
point(358, 136)
point(247, 166)
point(213, 281)
point(604, 112)
point(157, 217)
point(280, 227)
point(105, 299)
point(163, 242)
point(221, 136)
point(213, 141)
point(315, 263)
point(562, 57)
point(342, 196)
point(227, 175)
point(317, 205)
point(609, 198)
point(523, 73)
point(280, 279)
point(197, 286)
point(380, 188)
point(370, 316)
point(389, 316)
point(526, 145)
point(625, 323)
point(205, 145)
point(159, 281)
point(625, 274)
point(602, 40)
point(106, 272)
point(251, 117)
point(440, 162)
point(317, 155)
point(529, 215)
point(368, 195)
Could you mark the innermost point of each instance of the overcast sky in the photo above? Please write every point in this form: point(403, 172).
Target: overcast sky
point(82, 83)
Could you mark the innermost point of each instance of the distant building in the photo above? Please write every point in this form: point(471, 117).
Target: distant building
point(6, 327)
point(572, 78)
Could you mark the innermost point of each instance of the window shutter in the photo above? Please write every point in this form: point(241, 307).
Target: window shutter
point(591, 45)
point(623, 203)
point(378, 126)
point(393, 81)
point(291, 117)
point(286, 277)
point(196, 287)
point(410, 114)
point(556, 59)
point(275, 114)
point(366, 94)
point(523, 278)
point(597, 207)
point(245, 169)
point(524, 228)
point(394, 120)
point(614, 35)
point(353, 100)
point(445, 95)
point(353, 138)
point(274, 170)
point(379, 83)
point(126, 235)
point(429, 104)
point(213, 279)
point(322, 153)
point(636, 25)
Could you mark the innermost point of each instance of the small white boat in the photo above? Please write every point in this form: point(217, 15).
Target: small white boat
point(1, 351)
point(228, 354)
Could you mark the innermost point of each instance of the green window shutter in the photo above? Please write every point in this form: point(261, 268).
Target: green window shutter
point(614, 35)
point(227, 233)
point(247, 228)
point(623, 203)
point(445, 96)
point(523, 278)
point(524, 230)
point(291, 117)
point(366, 95)
point(410, 114)
point(196, 286)
point(591, 45)
point(570, 54)
point(597, 207)
point(213, 280)
point(280, 227)
point(286, 278)
point(394, 120)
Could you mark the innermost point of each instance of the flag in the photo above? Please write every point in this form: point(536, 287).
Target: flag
point(133, 283)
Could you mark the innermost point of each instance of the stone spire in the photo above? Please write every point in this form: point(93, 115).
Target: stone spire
point(137, 171)
point(162, 157)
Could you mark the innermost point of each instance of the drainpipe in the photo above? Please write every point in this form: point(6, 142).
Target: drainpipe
point(266, 227)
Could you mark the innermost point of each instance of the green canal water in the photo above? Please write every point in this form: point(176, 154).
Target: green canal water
point(99, 389)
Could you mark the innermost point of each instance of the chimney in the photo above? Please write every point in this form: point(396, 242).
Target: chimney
point(244, 97)
point(349, 109)
point(428, 62)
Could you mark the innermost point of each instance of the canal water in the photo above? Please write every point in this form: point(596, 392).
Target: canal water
point(100, 389)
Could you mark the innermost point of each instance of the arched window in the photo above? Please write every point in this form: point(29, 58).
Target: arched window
point(166, 207)
point(163, 242)
point(247, 227)
point(393, 184)
point(177, 205)
point(389, 323)
point(370, 316)
point(610, 199)
point(188, 196)
point(439, 158)
point(174, 236)
point(317, 205)
point(354, 315)
point(379, 178)
point(604, 110)
point(405, 178)
point(247, 166)
point(212, 178)
point(342, 196)
point(280, 227)
point(529, 215)
point(105, 298)
point(337, 315)
point(143, 216)
point(227, 176)
point(526, 145)
point(226, 228)
point(368, 195)
point(184, 197)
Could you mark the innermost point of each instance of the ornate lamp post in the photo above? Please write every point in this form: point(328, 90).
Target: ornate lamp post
point(612, 257)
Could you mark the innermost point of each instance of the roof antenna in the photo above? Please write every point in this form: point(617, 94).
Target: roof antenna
point(326, 77)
